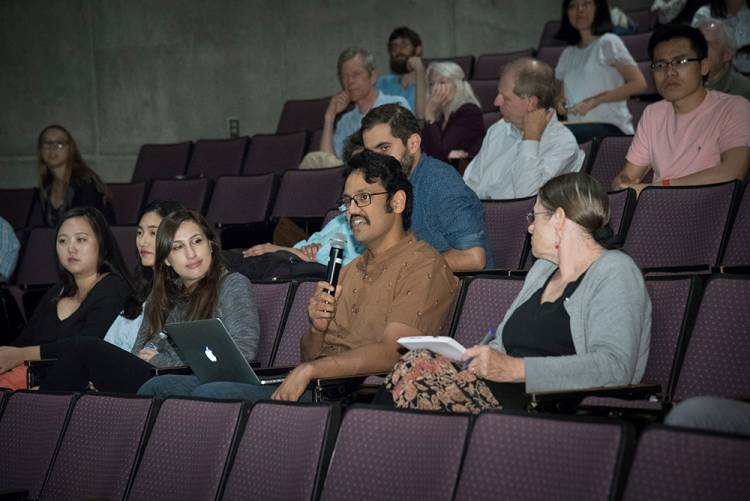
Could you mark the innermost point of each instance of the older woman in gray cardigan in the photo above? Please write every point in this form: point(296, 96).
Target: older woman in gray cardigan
point(581, 320)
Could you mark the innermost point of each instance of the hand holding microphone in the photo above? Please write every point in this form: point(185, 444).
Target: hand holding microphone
point(335, 260)
point(322, 306)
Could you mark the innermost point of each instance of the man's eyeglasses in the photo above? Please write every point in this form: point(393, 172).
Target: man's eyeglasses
point(531, 216)
point(360, 199)
point(53, 145)
point(676, 63)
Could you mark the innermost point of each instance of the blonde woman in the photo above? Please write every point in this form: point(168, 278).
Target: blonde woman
point(453, 119)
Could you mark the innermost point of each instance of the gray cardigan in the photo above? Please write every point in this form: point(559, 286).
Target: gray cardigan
point(236, 308)
point(610, 321)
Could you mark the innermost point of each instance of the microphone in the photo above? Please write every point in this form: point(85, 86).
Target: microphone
point(335, 260)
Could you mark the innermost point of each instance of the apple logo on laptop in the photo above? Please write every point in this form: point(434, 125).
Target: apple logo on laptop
point(210, 354)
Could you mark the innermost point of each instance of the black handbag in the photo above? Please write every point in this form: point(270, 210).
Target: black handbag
point(273, 266)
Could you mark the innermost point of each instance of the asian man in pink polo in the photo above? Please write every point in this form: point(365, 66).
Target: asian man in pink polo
point(693, 136)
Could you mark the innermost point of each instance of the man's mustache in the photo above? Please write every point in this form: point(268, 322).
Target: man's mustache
point(365, 218)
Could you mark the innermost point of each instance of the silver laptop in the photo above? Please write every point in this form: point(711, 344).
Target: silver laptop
point(207, 347)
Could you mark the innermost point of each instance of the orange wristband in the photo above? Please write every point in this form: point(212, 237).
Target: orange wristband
point(665, 182)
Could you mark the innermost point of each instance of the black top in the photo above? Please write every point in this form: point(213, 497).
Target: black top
point(93, 318)
point(80, 194)
point(539, 329)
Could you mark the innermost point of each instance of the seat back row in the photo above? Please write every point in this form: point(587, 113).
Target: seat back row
point(666, 228)
point(114, 447)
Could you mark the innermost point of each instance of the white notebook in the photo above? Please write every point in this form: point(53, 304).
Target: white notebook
point(442, 345)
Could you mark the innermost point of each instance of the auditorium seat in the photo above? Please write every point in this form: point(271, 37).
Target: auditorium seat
point(30, 429)
point(127, 200)
point(483, 304)
point(550, 55)
point(241, 200)
point(37, 260)
point(395, 454)
point(547, 39)
point(217, 157)
point(636, 106)
point(125, 237)
point(192, 193)
point(685, 226)
point(589, 150)
point(486, 92)
point(275, 153)
point(15, 206)
point(297, 324)
point(491, 118)
point(283, 452)
point(98, 452)
point(302, 115)
point(160, 161)
point(637, 45)
point(645, 67)
point(609, 159)
point(644, 18)
point(465, 62)
point(673, 464)
point(674, 301)
point(738, 247)
point(513, 456)
point(718, 352)
point(187, 450)
point(621, 208)
point(271, 300)
point(308, 194)
point(488, 66)
point(314, 143)
point(507, 231)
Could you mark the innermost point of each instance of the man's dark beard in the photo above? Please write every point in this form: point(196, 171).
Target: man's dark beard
point(398, 66)
point(407, 163)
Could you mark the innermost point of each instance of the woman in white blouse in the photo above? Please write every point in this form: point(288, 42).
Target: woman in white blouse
point(597, 72)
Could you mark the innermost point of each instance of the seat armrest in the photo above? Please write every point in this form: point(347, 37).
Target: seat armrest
point(36, 370)
point(628, 392)
point(45, 362)
point(183, 370)
point(338, 388)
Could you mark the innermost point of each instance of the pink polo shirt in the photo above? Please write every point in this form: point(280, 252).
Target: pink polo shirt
point(676, 145)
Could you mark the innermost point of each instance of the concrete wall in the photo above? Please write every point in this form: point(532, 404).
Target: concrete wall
point(120, 73)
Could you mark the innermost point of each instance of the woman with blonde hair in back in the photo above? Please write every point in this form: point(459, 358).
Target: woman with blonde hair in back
point(453, 126)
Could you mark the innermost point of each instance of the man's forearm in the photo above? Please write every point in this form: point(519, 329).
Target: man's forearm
point(472, 259)
point(718, 174)
point(369, 359)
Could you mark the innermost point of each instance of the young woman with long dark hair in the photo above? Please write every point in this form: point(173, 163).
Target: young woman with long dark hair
point(190, 283)
point(94, 287)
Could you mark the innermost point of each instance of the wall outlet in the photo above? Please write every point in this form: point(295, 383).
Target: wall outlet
point(233, 126)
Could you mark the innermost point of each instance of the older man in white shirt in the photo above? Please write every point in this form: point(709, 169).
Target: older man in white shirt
point(529, 146)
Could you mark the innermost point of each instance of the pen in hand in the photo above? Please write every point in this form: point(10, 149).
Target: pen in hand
point(487, 338)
